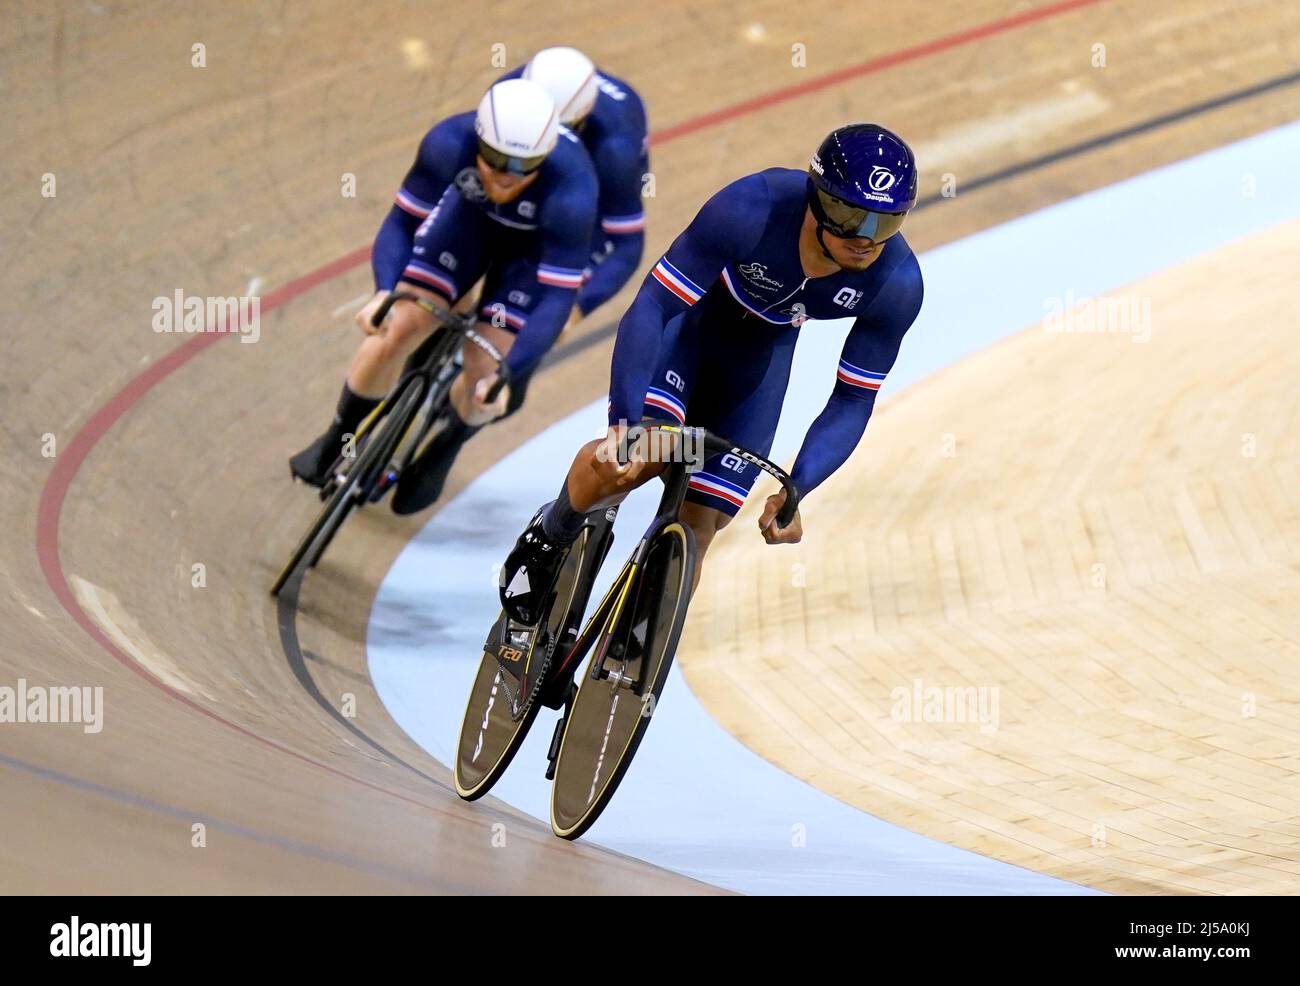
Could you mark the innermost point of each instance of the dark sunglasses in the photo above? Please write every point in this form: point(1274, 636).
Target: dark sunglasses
point(848, 221)
point(499, 161)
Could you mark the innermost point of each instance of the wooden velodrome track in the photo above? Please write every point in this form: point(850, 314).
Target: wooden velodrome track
point(170, 453)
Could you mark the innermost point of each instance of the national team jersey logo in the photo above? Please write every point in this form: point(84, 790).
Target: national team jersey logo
point(756, 274)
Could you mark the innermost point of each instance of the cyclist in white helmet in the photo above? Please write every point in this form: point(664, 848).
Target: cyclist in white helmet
point(505, 194)
point(609, 117)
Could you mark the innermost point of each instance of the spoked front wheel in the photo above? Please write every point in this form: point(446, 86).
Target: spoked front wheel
point(623, 680)
point(354, 483)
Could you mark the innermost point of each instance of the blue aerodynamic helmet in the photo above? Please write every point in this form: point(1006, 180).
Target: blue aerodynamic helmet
point(862, 182)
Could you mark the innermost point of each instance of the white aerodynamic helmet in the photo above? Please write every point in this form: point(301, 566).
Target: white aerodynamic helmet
point(517, 126)
point(568, 75)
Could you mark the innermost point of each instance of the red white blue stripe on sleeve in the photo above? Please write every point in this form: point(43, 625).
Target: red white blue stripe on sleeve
point(409, 203)
point(855, 376)
point(623, 224)
point(677, 282)
point(423, 274)
point(723, 489)
point(665, 401)
point(559, 277)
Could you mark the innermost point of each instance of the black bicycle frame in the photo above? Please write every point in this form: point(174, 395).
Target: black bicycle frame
point(460, 325)
point(676, 480)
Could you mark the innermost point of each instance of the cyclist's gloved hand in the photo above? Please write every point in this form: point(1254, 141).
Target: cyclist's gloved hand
point(767, 522)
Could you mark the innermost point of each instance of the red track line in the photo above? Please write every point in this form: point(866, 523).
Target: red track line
point(869, 67)
point(54, 493)
point(69, 461)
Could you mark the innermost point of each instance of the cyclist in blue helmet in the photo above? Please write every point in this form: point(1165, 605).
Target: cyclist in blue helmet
point(861, 183)
point(710, 338)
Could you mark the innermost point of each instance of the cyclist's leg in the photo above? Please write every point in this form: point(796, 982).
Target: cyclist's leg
point(748, 372)
point(378, 361)
point(453, 250)
point(509, 293)
point(531, 567)
point(593, 484)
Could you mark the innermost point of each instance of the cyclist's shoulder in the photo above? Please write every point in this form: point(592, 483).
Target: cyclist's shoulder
point(905, 268)
point(618, 100)
point(615, 132)
point(752, 193)
point(569, 166)
point(895, 283)
point(450, 134)
point(785, 184)
point(571, 186)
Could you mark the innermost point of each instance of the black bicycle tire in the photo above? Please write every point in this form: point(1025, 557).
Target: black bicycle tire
point(308, 550)
point(377, 452)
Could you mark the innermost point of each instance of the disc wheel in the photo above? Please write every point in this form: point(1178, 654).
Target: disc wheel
point(494, 726)
point(622, 682)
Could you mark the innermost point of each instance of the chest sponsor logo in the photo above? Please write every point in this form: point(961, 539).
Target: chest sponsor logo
point(847, 297)
point(527, 210)
point(470, 185)
point(756, 274)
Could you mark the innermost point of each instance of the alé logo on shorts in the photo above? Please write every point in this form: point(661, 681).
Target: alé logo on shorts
point(733, 462)
point(756, 274)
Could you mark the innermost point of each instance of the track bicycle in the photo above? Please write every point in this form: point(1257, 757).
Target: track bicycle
point(390, 436)
point(631, 637)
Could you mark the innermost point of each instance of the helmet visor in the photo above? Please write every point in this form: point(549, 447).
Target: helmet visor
point(846, 220)
point(500, 161)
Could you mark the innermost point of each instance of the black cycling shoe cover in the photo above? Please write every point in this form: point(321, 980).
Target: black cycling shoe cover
point(529, 574)
point(312, 464)
point(422, 481)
